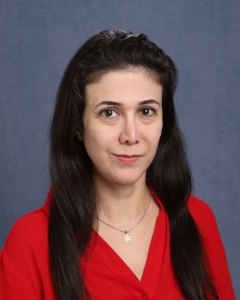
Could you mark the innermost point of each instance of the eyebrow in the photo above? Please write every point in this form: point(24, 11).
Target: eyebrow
point(150, 101)
point(113, 103)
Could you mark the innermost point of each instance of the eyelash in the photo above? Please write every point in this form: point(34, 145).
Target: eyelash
point(111, 109)
point(149, 109)
point(107, 110)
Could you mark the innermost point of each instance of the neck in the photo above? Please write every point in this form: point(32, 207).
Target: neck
point(124, 205)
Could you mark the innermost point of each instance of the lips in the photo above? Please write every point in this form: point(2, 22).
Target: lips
point(127, 159)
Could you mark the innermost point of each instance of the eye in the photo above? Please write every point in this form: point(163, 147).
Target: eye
point(108, 113)
point(146, 112)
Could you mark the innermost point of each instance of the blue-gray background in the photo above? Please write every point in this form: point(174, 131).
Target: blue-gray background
point(37, 39)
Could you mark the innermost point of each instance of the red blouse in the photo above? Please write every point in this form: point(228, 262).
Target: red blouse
point(25, 273)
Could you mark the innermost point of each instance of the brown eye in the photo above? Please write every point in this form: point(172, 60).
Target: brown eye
point(147, 112)
point(108, 113)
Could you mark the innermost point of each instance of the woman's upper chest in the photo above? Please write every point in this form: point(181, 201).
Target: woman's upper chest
point(132, 246)
point(112, 275)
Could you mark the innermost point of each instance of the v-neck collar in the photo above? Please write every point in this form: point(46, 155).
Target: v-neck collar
point(154, 261)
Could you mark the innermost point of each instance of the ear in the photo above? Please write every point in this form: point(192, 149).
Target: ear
point(79, 134)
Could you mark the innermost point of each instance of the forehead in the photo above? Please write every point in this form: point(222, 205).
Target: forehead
point(124, 85)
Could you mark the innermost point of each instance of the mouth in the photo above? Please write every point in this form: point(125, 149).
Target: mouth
point(127, 159)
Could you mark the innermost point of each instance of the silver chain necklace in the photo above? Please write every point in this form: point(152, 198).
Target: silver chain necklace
point(127, 238)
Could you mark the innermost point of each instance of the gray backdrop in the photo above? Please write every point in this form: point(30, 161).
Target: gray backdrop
point(39, 37)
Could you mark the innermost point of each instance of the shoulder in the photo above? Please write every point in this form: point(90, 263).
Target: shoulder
point(34, 218)
point(26, 247)
point(29, 232)
point(198, 205)
point(31, 229)
point(206, 223)
point(201, 212)
point(24, 259)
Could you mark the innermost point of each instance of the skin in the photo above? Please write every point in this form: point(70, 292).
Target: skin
point(122, 127)
point(121, 137)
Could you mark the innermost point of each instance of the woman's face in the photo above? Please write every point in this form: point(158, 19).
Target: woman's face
point(122, 125)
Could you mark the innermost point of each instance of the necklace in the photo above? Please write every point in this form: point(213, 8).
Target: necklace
point(127, 238)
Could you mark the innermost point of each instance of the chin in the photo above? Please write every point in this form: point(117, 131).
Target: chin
point(130, 179)
point(121, 177)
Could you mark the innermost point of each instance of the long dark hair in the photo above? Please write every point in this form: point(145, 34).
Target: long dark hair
point(74, 193)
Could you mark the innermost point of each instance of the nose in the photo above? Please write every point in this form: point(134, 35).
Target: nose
point(130, 134)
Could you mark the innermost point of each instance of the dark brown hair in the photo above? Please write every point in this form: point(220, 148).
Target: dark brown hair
point(73, 203)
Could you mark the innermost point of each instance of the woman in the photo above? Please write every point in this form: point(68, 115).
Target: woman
point(119, 221)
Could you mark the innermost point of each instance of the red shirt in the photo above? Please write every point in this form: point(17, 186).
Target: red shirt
point(25, 273)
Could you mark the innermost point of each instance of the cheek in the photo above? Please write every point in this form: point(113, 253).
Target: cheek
point(155, 135)
point(91, 142)
point(95, 139)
